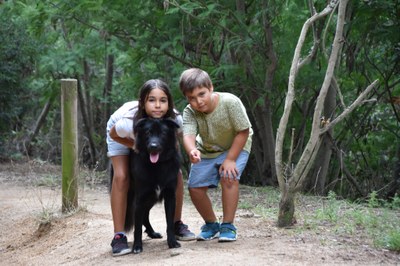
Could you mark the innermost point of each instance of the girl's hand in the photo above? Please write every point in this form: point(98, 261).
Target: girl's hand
point(228, 170)
point(195, 156)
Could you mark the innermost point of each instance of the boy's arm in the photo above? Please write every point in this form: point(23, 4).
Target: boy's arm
point(124, 141)
point(228, 167)
point(189, 143)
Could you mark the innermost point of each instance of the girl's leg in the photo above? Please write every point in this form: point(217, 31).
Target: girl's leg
point(119, 191)
point(179, 198)
point(182, 231)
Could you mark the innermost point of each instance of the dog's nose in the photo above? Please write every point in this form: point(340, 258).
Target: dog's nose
point(153, 145)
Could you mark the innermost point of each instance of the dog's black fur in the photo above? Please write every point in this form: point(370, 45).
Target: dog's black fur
point(154, 167)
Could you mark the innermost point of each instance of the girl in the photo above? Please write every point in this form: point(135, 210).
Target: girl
point(155, 101)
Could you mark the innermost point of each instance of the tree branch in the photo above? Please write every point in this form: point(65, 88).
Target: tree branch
point(349, 109)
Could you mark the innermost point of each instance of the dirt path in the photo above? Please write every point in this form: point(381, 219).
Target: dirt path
point(84, 237)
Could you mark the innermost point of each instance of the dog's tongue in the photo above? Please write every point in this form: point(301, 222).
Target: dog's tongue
point(154, 157)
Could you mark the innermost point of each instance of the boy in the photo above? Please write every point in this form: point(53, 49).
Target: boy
point(217, 137)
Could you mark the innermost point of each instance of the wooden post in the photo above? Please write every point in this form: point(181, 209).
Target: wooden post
point(69, 139)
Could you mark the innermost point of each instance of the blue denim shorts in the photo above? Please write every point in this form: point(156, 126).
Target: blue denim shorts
point(205, 173)
point(114, 148)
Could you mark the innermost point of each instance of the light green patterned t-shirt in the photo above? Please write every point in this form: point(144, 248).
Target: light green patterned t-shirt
point(215, 131)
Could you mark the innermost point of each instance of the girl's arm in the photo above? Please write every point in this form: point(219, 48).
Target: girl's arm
point(124, 141)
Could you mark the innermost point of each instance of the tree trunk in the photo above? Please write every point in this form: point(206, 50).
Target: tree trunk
point(270, 144)
point(108, 87)
point(106, 107)
point(263, 113)
point(286, 207)
point(88, 125)
point(263, 130)
point(396, 177)
point(39, 123)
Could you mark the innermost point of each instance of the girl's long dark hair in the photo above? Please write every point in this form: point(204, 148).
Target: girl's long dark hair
point(147, 87)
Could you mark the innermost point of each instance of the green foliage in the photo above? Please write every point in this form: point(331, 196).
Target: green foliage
point(395, 204)
point(17, 53)
point(373, 201)
point(158, 39)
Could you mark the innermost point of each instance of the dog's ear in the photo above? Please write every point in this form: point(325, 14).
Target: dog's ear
point(139, 124)
point(171, 122)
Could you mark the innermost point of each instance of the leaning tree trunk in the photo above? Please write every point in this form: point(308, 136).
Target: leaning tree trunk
point(292, 181)
point(325, 152)
point(39, 123)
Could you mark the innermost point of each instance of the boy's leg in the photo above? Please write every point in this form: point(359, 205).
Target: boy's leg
point(204, 175)
point(202, 203)
point(230, 198)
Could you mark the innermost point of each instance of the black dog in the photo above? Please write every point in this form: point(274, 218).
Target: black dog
point(154, 167)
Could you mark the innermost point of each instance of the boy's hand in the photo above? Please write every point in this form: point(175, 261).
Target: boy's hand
point(228, 170)
point(195, 156)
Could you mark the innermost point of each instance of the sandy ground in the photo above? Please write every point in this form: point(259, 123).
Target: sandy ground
point(83, 238)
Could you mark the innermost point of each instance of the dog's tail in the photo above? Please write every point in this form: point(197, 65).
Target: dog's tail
point(110, 171)
point(130, 209)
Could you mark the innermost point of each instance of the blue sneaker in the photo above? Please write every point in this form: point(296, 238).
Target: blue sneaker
point(209, 231)
point(227, 233)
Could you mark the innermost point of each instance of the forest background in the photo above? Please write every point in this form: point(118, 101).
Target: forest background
point(247, 47)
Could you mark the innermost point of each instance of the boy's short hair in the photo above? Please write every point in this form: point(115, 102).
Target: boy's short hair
point(193, 78)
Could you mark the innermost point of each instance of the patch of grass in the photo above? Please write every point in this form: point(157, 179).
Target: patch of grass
point(330, 209)
point(268, 213)
point(92, 177)
point(245, 205)
point(376, 222)
point(49, 181)
point(45, 216)
point(392, 241)
point(261, 200)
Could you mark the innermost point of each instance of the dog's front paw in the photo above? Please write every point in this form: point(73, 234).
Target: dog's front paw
point(137, 249)
point(174, 244)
